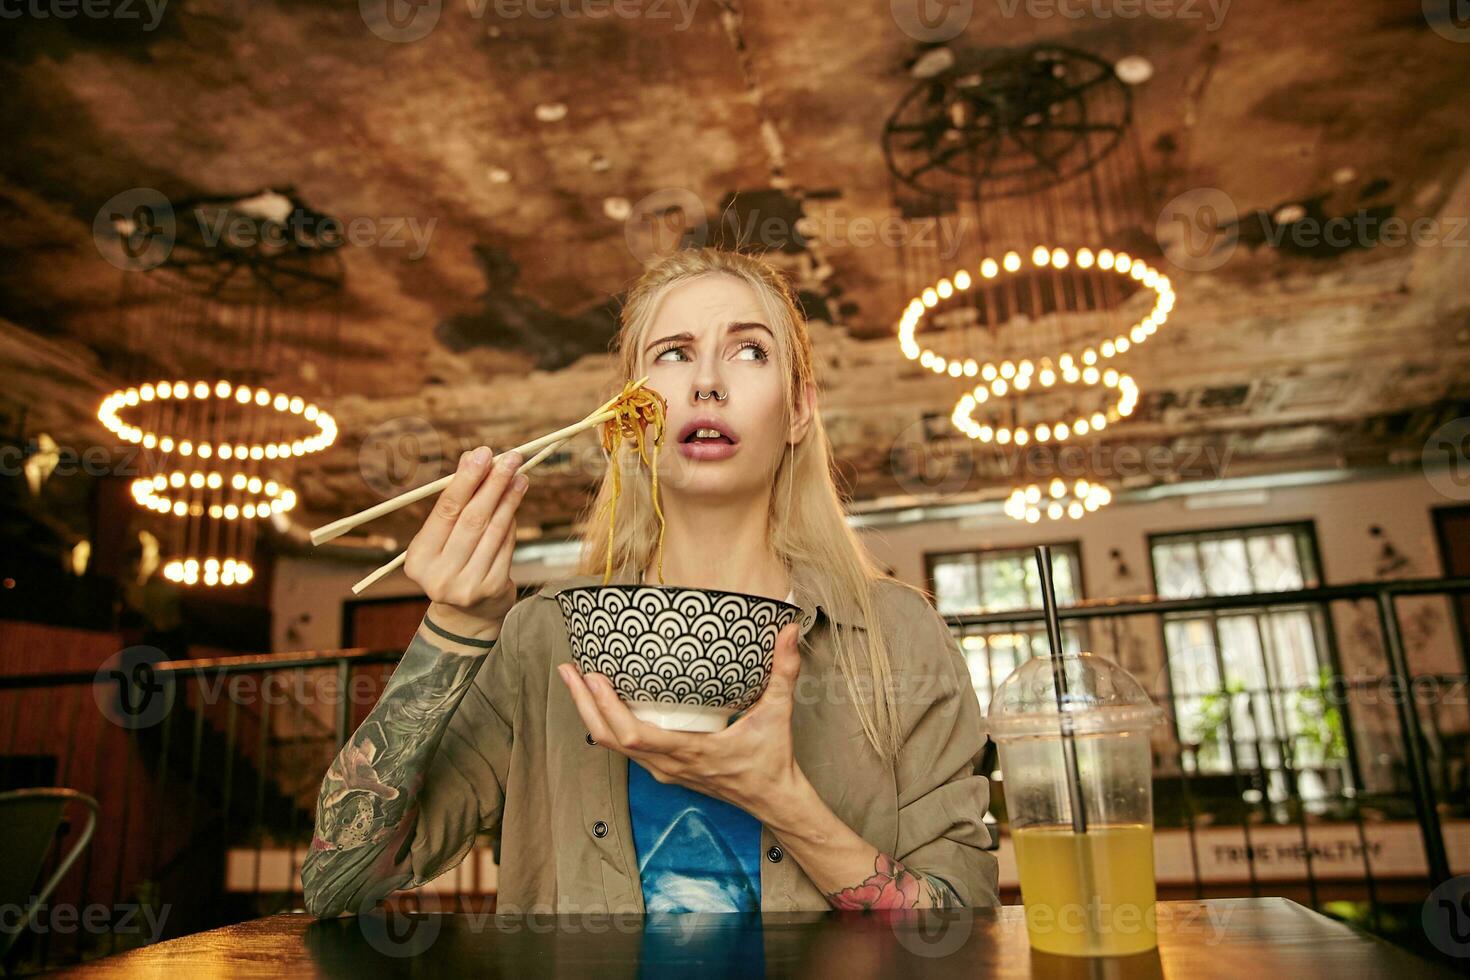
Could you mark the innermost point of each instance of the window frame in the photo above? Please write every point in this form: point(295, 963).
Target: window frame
point(1081, 630)
point(1074, 546)
point(1304, 531)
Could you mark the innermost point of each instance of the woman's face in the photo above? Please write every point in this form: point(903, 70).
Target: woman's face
point(710, 334)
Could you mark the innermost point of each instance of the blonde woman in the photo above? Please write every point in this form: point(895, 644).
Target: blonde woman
point(849, 784)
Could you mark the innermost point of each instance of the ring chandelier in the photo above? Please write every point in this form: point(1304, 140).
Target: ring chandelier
point(170, 494)
point(1011, 264)
point(231, 571)
point(224, 392)
point(1056, 500)
point(1010, 381)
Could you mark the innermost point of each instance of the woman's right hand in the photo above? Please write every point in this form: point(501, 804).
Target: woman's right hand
point(461, 556)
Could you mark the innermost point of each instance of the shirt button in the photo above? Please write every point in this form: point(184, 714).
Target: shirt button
point(599, 829)
point(775, 853)
point(590, 739)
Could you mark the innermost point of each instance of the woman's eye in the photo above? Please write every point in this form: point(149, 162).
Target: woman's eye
point(750, 351)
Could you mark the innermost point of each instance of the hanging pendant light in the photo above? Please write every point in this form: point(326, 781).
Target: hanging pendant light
point(1027, 162)
point(1056, 500)
point(1040, 269)
point(231, 339)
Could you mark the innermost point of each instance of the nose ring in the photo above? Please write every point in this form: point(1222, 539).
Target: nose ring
point(713, 392)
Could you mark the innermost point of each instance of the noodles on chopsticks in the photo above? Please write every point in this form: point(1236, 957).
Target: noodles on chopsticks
point(638, 410)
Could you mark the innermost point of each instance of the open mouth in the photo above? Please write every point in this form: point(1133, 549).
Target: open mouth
point(708, 435)
point(707, 431)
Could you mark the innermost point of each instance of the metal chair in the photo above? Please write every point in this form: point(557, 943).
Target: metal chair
point(31, 818)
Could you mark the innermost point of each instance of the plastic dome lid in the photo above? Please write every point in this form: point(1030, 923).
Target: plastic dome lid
point(1101, 697)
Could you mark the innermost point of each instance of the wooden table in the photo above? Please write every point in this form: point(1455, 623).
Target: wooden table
point(1251, 938)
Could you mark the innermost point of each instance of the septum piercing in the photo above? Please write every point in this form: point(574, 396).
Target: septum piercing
point(702, 396)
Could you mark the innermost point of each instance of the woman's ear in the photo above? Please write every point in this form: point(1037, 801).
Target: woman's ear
point(802, 411)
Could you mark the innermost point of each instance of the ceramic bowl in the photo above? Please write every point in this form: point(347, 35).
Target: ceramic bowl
point(682, 659)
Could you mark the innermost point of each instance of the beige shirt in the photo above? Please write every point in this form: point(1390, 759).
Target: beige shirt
point(517, 754)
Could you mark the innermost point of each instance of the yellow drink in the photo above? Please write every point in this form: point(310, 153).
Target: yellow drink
point(1088, 894)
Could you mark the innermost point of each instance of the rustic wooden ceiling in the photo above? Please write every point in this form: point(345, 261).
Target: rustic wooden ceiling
point(493, 324)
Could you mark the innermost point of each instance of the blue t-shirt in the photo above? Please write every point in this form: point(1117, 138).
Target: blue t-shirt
point(695, 853)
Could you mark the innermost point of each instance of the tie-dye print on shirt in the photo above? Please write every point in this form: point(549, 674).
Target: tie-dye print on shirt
point(695, 853)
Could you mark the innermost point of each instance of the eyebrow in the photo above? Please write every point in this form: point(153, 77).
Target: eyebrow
point(739, 326)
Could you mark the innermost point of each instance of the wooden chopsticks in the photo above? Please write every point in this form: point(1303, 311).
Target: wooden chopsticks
point(537, 450)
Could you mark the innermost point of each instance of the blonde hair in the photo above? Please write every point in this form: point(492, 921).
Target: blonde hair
point(807, 522)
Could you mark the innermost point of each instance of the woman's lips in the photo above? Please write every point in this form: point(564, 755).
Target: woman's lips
point(707, 450)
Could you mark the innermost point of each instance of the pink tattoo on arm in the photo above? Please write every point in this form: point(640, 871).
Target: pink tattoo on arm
point(893, 886)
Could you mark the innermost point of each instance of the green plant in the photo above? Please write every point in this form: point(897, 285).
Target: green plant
point(1318, 722)
point(1210, 727)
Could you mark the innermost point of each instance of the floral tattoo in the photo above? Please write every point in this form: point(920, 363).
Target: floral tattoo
point(893, 886)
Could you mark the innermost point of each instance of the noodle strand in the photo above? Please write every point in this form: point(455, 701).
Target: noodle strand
point(637, 410)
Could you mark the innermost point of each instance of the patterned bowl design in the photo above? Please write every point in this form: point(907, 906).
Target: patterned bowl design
point(668, 645)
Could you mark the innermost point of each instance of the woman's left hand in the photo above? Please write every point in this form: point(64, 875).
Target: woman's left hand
point(749, 763)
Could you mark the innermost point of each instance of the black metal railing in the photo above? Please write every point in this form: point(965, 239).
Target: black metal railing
point(230, 771)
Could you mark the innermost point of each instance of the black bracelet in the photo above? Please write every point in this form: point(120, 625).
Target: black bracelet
point(467, 641)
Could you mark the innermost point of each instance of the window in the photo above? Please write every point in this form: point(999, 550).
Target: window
point(1247, 684)
point(1006, 580)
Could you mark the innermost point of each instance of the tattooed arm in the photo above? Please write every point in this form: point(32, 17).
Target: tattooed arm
point(939, 858)
point(850, 872)
point(368, 805)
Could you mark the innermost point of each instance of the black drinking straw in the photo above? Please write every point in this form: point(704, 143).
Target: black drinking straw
point(1059, 676)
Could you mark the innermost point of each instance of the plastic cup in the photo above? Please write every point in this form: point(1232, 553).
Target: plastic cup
point(1089, 893)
